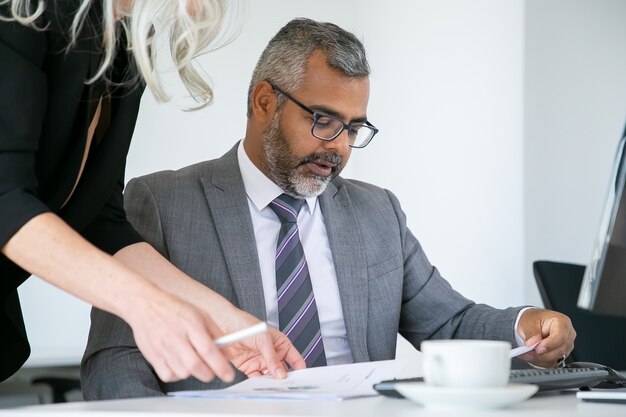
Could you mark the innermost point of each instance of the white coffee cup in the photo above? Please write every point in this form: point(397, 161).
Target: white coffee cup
point(466, 363)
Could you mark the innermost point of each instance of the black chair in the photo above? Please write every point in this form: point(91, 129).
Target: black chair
point(60, 386)
point(600, 338)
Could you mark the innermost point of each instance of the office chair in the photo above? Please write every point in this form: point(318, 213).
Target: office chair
point(600, 338)
point(60, 386)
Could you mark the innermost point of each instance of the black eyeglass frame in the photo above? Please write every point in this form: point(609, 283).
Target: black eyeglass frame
point(317, 116)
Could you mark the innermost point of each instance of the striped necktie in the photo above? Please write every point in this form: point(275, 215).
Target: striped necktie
point(297, 310)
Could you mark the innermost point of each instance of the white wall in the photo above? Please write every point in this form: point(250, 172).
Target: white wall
point(575, 109)
point(448, 95)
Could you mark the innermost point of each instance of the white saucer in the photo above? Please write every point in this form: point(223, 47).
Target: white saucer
point(476, 398)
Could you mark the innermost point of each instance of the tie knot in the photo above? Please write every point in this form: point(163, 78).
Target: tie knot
point(286, 208)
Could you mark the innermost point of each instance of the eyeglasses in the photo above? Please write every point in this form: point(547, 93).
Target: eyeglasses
point(327, 127)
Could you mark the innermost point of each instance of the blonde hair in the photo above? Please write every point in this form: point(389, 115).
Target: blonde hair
point(192, 26)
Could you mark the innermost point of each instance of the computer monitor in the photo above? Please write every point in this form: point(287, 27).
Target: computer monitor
point(604, 284)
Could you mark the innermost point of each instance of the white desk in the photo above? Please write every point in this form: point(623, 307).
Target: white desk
point(544, 405)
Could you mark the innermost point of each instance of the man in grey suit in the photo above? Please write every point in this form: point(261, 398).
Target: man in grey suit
point(273, 228)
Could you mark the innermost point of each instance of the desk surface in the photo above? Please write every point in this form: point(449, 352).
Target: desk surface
point(543, 405)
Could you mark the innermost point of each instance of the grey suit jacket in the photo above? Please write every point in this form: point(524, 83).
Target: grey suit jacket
point(198, 218)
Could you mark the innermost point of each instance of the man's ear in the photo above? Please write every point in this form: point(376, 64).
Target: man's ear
point(263, 103)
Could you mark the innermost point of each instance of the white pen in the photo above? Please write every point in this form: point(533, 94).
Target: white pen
point(240, 334)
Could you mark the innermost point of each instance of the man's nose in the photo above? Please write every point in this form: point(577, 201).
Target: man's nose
point(340, 144)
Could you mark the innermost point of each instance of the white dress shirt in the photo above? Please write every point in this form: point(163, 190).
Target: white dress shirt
point(261, 191)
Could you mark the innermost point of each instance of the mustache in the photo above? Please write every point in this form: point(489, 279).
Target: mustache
point(329, 157)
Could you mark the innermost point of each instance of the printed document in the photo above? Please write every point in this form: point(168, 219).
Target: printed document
point(326, 383)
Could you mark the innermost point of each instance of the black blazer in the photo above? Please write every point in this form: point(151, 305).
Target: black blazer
point(45, 111)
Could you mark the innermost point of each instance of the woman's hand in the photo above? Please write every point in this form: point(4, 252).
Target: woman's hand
point(177, 339)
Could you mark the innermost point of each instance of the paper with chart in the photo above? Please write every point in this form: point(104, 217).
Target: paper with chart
point(337, 382)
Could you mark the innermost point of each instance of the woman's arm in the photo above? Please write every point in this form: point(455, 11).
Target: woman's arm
point(174, 336)
point(171, 315)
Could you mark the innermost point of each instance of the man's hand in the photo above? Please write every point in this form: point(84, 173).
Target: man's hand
point(265, 353)
point(552, 330)
point(268, 353)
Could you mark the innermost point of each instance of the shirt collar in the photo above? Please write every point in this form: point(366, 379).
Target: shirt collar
point(260, 189)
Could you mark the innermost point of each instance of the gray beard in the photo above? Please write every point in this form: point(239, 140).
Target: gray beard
point(288, 173)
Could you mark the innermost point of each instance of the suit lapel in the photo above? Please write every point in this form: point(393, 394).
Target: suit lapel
point(228, 204)
point(346, 245)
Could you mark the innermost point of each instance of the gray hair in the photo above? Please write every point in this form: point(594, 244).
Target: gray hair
point(191, 25)
point(285, 58)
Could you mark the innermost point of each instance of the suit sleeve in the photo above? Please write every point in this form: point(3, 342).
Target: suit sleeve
point(432, 309)
point(143, 213)
point(23, 95)
point(112, 366)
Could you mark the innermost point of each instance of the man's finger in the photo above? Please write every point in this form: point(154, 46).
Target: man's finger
point(275, 367)
point(294, 359)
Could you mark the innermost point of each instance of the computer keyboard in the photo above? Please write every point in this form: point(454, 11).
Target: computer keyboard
point(559, 378)
point(547, 379)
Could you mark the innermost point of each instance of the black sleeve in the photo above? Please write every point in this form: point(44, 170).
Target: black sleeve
point(110, 230)
point(23, 96)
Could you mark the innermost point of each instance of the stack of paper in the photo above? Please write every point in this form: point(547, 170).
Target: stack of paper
point(337, 382)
